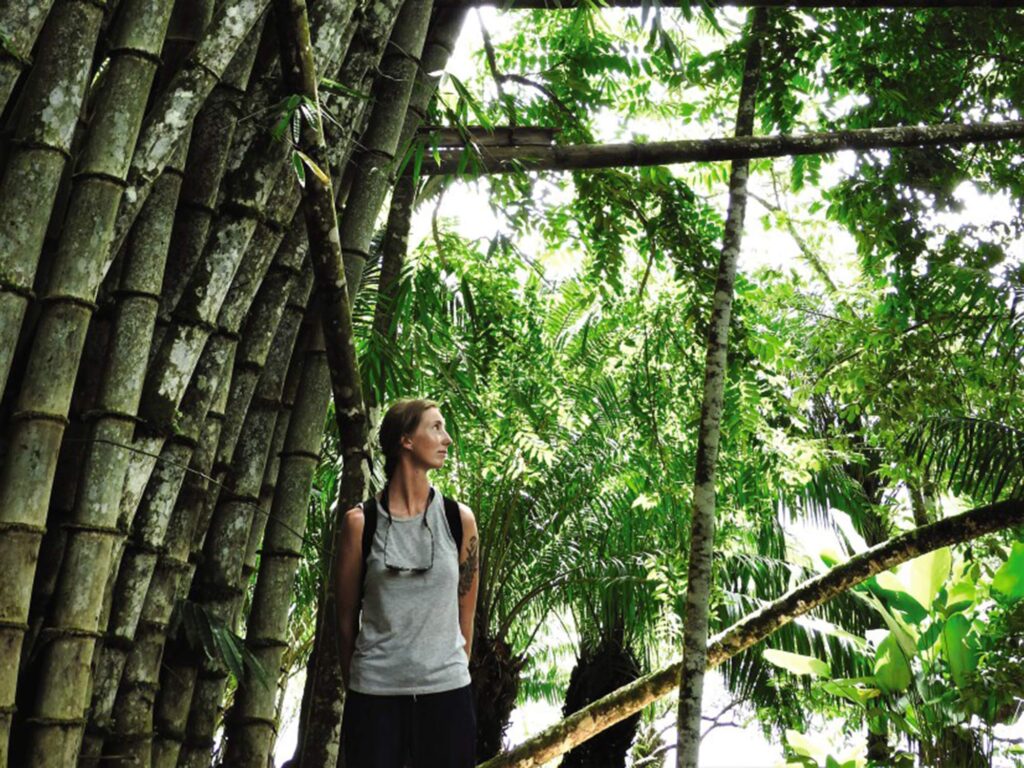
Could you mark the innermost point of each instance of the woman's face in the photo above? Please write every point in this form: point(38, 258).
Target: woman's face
point(428, 443)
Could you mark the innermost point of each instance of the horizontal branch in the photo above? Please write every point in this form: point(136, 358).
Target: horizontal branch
point(587, 156)
point(617, 706)
point(554, 5)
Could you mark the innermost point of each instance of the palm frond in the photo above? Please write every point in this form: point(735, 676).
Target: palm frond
point(973, 456)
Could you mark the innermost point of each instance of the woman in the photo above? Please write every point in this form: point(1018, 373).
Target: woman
point(405, 661)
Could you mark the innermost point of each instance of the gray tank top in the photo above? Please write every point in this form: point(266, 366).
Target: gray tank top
point(409, 640)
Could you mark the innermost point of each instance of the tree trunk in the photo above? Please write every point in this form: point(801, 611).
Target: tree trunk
point(598, 672)
point(590, 156)
point(318, 745)
point(760, 624)
point(702, 523)
point(495, 671)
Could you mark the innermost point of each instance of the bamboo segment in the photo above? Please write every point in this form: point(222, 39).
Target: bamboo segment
point(252, 724)
point(219, 586)
point(374, 163)
point(47, 114)
point(19, 25)
point(179, 104)
point(214, 130)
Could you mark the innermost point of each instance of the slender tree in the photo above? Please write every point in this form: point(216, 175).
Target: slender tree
point(702, 520)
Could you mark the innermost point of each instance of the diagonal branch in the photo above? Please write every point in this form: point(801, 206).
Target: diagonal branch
point(589, 156)
point(617, 706)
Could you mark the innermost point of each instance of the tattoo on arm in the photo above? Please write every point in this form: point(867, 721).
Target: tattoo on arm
point(467, 568)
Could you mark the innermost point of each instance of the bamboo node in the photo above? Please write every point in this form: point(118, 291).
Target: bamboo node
point(48, 634)
point(108, 413)
point(128, 293)
point(17, 290)
point(99, 530)
point(299, 454)
point(195, 205)
point(15, 527)
point(108, 178)
point(265, 642)
point(140, 53)
point(18, 625)
point(67, 298)
point(40, 146)
point(56, 722)
point(287, 553)
point(40, 416)
point(243, 720)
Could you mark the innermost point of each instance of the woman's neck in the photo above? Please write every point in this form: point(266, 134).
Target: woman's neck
point(408, 491)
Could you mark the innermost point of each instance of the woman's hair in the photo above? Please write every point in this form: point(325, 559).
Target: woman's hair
point(401, 419)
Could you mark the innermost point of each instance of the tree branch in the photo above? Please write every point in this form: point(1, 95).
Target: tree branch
point(617, 706)
point(588, 156)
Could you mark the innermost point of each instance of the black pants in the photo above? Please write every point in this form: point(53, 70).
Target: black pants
point(434, 730)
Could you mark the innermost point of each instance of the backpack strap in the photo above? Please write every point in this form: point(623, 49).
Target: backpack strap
point(454, 517)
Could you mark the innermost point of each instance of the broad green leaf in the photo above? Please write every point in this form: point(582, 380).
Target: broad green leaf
point(1009, 579)
point(927, 574)
point(797, 663)
point(905, 635)
point(851, 690)
point(961, 656)
point(892, 672)
point(961, 595)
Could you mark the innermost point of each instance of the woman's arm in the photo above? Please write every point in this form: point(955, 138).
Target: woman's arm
point(469, 576)
point(349, 574)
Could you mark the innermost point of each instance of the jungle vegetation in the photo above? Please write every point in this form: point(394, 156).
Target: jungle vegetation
point(755, 268)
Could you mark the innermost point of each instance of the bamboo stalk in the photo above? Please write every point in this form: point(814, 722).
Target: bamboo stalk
point(158, 502)
point(218, 584)
point(252, 726)
point(20, 24)
point(702, 517)
point(374, 163)
point(617, 706)
point(590, 156)
point(41, 146)
point(178, 105)
point(214, 129)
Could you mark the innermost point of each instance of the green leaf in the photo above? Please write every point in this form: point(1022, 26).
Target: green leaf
point(960, 654)
point(1009, 579)
point(300, 170)
point(852, 689)
point(316, 169)
point(927, 574)
point(892, 672)
point(797, 663)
